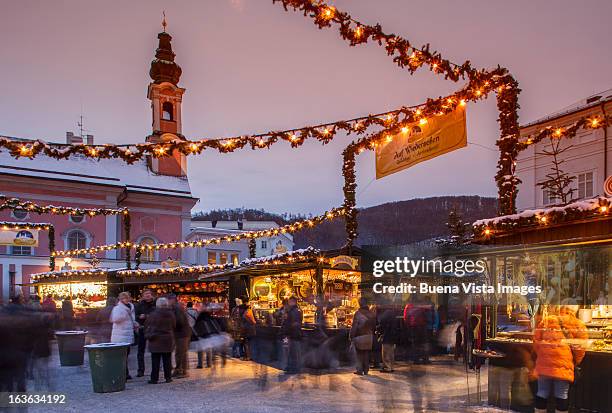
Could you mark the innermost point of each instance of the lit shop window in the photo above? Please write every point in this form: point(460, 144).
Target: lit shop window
point(223, 258)
point(585, 185)
point(212, 258)
point(147, 254)
point(235, 259)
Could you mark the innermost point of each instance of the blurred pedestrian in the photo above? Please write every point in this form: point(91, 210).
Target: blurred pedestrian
point(35, 303)
point(292, 332)
point(247, 328)
point(182, 337)
point(210, 338)
point(124, 322)
point(557, 341)
point(159, 328)
point(145, 306)
point(192, 316)
point(389, 335)
point(236, 330)
point(362, 336)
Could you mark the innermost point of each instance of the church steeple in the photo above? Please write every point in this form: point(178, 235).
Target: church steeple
point(163, 67)
point(166, 99)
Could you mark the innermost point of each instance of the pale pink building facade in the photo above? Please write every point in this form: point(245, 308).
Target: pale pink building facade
point(588, 157)
point(156, 192)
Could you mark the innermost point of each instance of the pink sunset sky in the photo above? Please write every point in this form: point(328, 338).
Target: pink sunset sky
point(249, 66)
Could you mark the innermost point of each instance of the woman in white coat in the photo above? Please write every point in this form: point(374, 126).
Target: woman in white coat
point(124, 322)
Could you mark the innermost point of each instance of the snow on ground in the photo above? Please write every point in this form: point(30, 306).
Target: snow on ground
point(248, 387)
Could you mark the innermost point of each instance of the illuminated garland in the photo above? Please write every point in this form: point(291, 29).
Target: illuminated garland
point(44, 226)
point(69, 273)
point(131, 153)
point(568, 132)
point(405, 55)
point(15, 226)
point(289, 228)
point(17, 204)
point(304, 254)
point(196, 269)
point(288, 257)
point(485, 229)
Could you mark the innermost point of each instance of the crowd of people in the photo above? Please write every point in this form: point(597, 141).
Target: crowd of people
point(163, 325)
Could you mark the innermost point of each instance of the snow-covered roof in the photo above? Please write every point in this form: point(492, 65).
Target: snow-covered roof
point(590, 101)
point(114, 172)
point(583, 206)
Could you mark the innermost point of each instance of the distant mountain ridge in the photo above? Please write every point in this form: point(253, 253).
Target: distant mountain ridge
point(393, 223)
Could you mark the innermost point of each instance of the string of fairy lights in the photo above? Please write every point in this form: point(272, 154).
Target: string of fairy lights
point(290, 257)
point(131, 153)
point(16, 204)
point(249, 235)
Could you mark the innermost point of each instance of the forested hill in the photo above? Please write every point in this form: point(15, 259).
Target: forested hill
point(401, 222)
point(393, 223)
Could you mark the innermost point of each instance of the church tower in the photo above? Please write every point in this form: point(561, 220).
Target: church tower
point(166, 98)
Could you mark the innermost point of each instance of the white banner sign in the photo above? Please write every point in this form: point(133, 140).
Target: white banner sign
point(19, 237)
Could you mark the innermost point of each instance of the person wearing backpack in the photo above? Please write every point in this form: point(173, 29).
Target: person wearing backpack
point(362, 336)
point(247, 328)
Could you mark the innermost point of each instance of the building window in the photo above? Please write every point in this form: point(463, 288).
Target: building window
point(548, 197)
point(264, 244)
point(21, 250)
point(148, 254)
point(167, 111)
point(585, 185)
point(223, 258)
point(235, 259)
point(19, 214)
point(212, 258)
point(77, 240)
point(76, 218)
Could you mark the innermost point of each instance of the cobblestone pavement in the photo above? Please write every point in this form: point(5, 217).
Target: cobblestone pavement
point(248, 387)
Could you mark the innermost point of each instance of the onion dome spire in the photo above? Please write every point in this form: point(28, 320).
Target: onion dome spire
point(163, 67)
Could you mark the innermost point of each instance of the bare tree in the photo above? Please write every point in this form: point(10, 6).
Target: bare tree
point(558, 183)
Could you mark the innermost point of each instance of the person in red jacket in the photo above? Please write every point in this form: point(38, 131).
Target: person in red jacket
point(559, 342)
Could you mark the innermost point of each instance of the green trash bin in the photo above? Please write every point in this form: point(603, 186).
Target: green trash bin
point(107, 363)
point(70, 345)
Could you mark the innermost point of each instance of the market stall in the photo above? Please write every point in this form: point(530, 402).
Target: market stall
point(567, 251)
point(326, 284)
